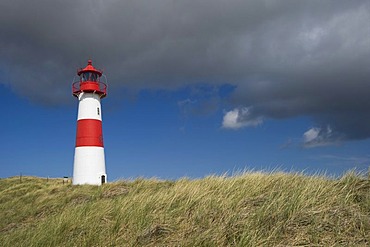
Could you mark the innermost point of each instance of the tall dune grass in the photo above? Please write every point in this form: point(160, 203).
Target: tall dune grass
point(251, 209)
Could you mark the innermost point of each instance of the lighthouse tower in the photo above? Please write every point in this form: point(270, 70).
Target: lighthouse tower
point(89, 161)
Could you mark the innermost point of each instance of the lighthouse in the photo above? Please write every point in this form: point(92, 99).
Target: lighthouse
point(89, 159)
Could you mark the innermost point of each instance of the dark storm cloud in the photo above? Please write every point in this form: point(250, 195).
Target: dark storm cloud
point(285, 58)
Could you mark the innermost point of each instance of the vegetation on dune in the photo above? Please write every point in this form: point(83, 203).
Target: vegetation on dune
point(252, 209)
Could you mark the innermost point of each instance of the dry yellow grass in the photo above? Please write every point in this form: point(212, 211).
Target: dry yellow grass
point(251, 209)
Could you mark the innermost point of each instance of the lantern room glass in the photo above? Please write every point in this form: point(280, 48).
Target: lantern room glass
point(89, 76)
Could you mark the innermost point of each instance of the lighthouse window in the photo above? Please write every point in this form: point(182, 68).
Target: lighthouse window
point(98, 110)
point(85, 76)
point(89, 76)
point(93, 77)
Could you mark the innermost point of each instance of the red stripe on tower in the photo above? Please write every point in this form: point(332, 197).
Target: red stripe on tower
point(89, 133)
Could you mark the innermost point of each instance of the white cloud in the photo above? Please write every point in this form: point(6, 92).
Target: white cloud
point(316, 137)
point(311, 135)
point(239, 118)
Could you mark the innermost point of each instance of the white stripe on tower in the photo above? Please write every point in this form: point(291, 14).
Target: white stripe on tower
point(89, 161)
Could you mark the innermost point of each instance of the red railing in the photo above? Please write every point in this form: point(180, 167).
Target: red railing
point(89, 87)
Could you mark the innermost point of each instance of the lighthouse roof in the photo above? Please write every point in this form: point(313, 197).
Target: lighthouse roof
point(89, 68)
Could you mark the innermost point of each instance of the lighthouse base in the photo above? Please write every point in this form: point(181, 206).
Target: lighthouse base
point(89, 166)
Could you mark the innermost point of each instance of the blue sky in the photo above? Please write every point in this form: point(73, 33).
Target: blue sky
point(195, 88)
point(150, 136)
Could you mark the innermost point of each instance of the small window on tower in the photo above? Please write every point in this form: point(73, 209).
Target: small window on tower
point(98, 110)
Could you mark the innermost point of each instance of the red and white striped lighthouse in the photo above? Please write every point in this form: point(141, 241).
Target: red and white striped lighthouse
point(89, 160)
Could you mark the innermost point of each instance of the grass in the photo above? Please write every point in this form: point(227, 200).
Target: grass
point(251, 209)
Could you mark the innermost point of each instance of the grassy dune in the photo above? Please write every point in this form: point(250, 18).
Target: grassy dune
point(252, 209)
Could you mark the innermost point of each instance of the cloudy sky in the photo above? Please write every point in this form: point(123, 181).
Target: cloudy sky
point(195, 87)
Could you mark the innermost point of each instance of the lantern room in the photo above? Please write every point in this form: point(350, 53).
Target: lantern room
point(89, 81)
